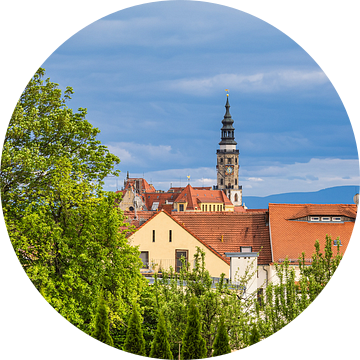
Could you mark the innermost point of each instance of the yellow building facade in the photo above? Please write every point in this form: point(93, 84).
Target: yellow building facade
point(163, 241)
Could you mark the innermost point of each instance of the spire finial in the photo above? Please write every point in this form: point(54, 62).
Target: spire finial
point(227, 92)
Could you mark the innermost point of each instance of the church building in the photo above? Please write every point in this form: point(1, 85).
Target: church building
point(228, 160)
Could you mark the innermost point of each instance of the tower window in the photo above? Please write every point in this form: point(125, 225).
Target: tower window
point(221, 160)
point(235, 181)
point(236, 198)
point(235, 161)
point(221, 181)
point(229, 161)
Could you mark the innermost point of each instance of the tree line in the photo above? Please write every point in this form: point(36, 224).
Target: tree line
point(72, 243)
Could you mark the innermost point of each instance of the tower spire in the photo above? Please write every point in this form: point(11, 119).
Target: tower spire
point(227, 130)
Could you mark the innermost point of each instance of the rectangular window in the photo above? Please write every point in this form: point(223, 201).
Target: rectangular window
point(325, 218)
point(144, 256)
point(245, 249)
point(181, 207)
point(153, 236)
point(336, 219)
point(179, 254)
point(336, 242)
point(170, 235)
point(314, 218)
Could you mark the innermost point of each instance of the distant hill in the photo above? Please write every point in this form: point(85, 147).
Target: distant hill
point(333, 195)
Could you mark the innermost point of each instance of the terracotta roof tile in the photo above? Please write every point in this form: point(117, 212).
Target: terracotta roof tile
point(153, 214)
point(289, 237)
point(227, 231)
point(195, 196)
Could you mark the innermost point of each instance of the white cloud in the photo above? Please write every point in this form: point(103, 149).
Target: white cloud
point(258, 82)
point(314, 175)
point(143, 155)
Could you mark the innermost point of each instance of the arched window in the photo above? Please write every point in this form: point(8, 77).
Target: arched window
point(236, 198)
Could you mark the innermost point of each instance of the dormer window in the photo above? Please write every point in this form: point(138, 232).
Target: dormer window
point(325, 218)
point(337, 242)
point(245, 249)
point(337, 218)
point(314, 218)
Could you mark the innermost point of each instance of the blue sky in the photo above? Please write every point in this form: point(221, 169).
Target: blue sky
point(153, 79)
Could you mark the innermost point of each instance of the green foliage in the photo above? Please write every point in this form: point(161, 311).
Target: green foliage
point(135, 342)
point(160, 348)
point(287, 298)
point(43, 129)
point(221, 343)
point(101, 331)
point(255, 336)
point(194, 346)
point(174, 291)
point(322, 267)
point(63, 227)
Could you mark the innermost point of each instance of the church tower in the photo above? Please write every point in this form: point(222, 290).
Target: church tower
point(228, 160)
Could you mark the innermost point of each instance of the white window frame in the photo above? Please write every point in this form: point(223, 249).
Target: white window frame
point(243, 248)
point(315, 218)
point(325, 218)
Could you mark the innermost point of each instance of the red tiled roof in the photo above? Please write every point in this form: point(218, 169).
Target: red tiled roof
point(326, 210)
point(227, 260)
point(195, 196)
point(141, 217)
point(161, 198)
point(139, 184)
point(289, 238)
point(227, 231)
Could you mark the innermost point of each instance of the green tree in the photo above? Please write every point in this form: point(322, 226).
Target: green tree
point(194, 346)
point(287, 298)
point(70, 246)
point(101, 331)
point(221, 344)
point(63, 227)
point(160, 348)
point(255, 335)
point(41, 130)
point(174, 292)
point(323, 266)
point(135, 342)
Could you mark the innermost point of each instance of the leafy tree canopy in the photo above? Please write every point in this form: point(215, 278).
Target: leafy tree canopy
point(64, 228)
point(43, 129)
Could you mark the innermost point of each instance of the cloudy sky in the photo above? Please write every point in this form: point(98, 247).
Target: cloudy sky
point(153, 79)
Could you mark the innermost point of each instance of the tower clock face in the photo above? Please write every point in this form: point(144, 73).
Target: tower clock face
point(229, 170)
